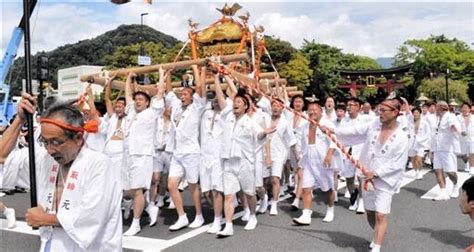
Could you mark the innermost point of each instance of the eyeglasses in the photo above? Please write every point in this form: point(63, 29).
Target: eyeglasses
point(55, 143)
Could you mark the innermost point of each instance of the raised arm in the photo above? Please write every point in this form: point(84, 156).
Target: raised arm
point(198, 77)
point(231, 86)
point(10, 136)
point(108, 91)
point(128, 88)
point(219, 94)
point(90, 102)
point(161, 84)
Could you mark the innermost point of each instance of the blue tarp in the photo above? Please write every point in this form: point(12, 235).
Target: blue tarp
point(11, 110)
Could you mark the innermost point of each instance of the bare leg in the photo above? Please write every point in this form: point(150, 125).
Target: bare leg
point(276, 188)
point(154, 186)
point(196, 194)
point(173, 183)
point(331, 197)
point(260, 192)
point(371, 218)
point(350, 184)
point(252, 203)
point(453, 177)
point(138, 203)
point(307, 198)
point(162, 184)
point(440, 177)
point(217, 203)
point(471, 160)
point(229, 207)
point(381, 224)
point(299, 183)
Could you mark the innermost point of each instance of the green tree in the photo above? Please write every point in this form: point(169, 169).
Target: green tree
point(432, 57)
point(325, 61)
point(297, 71)
point(436, 89)
point(280, 51)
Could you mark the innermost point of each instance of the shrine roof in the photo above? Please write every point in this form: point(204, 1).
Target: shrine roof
point(386, 71)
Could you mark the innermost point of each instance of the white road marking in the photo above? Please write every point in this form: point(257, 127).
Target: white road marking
point(410, 176)
point(135, 242)
point(434, 192)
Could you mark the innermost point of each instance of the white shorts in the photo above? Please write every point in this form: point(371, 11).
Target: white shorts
point(348, 169)
point(276, 170)
point(377, 200)
point(292, 158)
point(161, 161)
point(445, 160)
point(113, 147)
point(239, 175)
point(117, 162)
point(467, 148)
point(314, 174)
point(140, 171)
point(185, 166)
point(417, 153)
point(259, 167)
point(211, 174)
point(337, 161)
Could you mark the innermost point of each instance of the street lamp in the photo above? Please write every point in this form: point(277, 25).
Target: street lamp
point(142, 49)
point(447, 92)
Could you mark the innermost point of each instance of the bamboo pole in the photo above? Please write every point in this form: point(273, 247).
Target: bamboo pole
point(168, 66)
point(151, 89)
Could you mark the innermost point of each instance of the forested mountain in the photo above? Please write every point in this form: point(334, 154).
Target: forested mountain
point(91, 51)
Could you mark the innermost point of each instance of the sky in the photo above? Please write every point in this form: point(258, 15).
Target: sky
point(369, 28)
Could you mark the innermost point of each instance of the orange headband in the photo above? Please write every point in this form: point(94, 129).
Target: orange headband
point(388, 105)
point(91, 126)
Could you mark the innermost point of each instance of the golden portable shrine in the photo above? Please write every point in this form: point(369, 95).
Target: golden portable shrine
point(229, 41)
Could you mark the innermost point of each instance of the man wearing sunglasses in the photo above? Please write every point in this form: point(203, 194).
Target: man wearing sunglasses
point(78, 194)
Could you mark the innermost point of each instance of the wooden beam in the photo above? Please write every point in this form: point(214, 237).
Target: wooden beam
point(168, 66)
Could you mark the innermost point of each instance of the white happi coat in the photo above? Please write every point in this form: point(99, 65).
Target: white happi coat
point(141, 127)
point(96, 141)
point(348, 122)
point(112, 130)
point(265, 105)
point(211, 137)
point(89, 211)
point(240, 136)
point(331, 116)
point(444, 138)
point(420, 139)
point(282, 139)
point(296, 126)
point(15, 172)
point(467, 126)
point(162, 135)
point(387, 160)
point(322, 143)
point(184, 132)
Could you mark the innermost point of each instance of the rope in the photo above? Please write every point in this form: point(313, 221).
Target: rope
point(368, 185)
point(271, 60)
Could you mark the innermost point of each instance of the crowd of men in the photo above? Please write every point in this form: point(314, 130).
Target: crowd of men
point(238, 146)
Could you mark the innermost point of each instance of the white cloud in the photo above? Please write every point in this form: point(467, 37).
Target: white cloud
point(372, 29)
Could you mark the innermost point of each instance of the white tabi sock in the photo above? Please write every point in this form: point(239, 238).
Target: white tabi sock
point(376, 248)
point(136, 222)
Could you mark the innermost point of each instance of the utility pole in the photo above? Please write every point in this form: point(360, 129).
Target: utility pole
point(42, 75)
point(447, 92)
point(142, 58)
